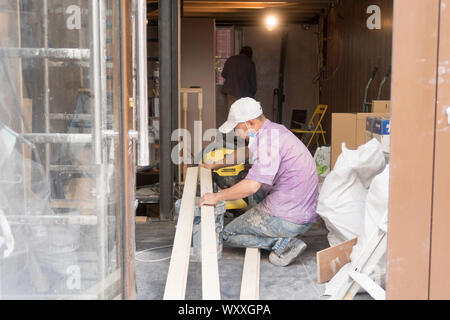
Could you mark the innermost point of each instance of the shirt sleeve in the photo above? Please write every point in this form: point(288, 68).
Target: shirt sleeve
point(266, 163)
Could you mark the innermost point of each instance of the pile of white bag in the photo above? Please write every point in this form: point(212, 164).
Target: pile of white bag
point(353, 203)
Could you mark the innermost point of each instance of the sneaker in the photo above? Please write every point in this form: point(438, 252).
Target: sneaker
point(294, 248)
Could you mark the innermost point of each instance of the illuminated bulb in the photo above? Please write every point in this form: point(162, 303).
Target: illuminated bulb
point(271, 22)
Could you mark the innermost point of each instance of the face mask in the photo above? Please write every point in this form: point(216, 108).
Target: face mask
point(252, 136)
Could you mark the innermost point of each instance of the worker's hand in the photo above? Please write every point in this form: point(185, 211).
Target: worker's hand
point(209, 199)
point(209, 166)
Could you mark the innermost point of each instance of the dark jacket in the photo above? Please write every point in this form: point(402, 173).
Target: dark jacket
point(240, 77)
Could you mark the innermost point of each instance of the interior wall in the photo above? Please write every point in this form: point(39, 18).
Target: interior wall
point(352, 53)
point(197, 68)
point(266, 55)
point(299, 71)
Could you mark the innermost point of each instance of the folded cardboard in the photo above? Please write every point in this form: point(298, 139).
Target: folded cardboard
point(331, 260)
point(351, 129)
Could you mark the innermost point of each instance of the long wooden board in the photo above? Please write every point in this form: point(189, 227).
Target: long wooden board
point(415, 56)
point(372, 253)
point(210, 267)
point(440, 237)
point(179, 262)
point(250, 275)
point(331, 260)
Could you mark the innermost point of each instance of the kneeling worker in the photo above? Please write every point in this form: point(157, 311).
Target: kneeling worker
point(283, 176)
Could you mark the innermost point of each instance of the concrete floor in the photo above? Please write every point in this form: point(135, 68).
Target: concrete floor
point(295, 282)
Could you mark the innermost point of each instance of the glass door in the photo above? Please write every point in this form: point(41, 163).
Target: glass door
point(61, 150)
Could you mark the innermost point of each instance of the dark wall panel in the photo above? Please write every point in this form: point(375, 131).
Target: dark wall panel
point(352, 52)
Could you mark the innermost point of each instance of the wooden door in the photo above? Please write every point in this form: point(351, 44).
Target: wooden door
point(440, 228)
point(419, 205)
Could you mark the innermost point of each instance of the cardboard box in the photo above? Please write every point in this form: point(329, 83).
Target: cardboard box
point(381, 106)
point(382, 132)
point(380, 129)
point(343, 129)
point(349, 128)
point(369, 127)
point(382, 126)
point(361, 128)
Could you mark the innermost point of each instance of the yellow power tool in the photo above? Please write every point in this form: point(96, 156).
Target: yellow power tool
point(228, 176)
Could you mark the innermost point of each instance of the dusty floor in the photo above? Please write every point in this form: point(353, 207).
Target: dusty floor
point(295, 282)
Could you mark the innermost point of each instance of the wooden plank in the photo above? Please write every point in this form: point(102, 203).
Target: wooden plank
point(141, 219)
point(200, 117)
point(210, 267)
point(250, 275)
point(414, 75)
point(191, 90)
point(331, 260)
point(179, 143)
point(179, 262)
point(185, 153)
point(123, 91)
point(372, 254)
point(440, 259)
point(369, 285)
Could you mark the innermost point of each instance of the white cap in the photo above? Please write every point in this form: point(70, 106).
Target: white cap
point(242, 110)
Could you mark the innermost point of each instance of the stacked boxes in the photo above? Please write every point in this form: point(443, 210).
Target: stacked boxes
point(381, 106)
point(380, 129)
point(351, 129)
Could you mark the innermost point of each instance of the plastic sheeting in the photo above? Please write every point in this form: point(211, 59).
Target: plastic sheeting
point(60, 209)
point(31, 251)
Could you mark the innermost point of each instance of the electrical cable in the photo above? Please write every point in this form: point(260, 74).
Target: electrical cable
point(151, 249)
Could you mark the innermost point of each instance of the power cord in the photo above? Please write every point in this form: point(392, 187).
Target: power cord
point(151, 249)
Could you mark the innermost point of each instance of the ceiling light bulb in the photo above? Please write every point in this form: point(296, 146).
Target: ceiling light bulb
point(271, 22)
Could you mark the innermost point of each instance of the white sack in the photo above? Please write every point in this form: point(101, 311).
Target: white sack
point(375, 223)
point(341, 202)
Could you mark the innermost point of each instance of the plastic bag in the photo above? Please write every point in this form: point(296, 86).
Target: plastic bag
point(375, 222)
point(322, 158)
point(342, 199)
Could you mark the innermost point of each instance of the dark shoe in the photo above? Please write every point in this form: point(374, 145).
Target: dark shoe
point(294, 248)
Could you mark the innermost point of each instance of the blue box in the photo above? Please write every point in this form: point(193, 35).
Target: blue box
point(382, 126)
